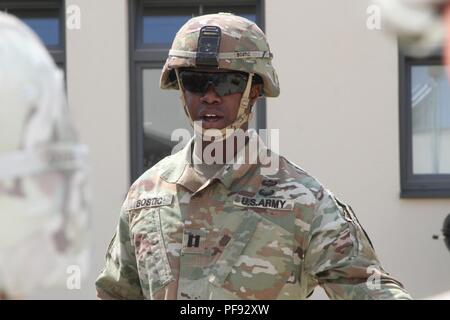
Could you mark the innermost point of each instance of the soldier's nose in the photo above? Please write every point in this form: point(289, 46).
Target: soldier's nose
point(210, 96)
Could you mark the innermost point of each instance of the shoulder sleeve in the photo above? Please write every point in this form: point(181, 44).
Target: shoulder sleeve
point(341, 258)
point(120, 279)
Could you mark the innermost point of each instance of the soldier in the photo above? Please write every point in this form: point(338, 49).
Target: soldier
point(233, 230)
point(43, 208)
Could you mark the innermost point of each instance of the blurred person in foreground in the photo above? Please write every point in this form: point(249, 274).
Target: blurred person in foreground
point(422, 26)
point(43, 200)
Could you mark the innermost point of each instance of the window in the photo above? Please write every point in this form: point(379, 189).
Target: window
point(46, 18)
point(424, 128)
point(155, 113)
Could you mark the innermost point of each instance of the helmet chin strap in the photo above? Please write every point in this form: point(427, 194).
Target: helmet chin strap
point(242, 116)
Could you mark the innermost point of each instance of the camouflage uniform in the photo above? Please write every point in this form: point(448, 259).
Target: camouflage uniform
point(240, 235)
point(244, 233)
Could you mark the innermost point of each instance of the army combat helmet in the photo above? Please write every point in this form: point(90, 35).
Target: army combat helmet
point(222, 41)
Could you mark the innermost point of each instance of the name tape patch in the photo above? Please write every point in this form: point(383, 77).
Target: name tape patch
point(267, 203)
point(149, 202)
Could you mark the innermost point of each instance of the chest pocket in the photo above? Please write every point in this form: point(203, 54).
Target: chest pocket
point(230, 255)
point(258, 261)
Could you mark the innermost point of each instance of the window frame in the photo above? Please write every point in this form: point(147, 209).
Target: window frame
point(42, 6)
point(415, 185)
point(153, 56)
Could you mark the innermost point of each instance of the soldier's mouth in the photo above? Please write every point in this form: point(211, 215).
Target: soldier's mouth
point(211, 118)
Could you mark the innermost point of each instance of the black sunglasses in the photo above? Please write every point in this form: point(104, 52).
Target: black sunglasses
point(224, 83)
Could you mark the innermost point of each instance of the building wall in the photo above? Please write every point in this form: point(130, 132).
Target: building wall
point(339, 112)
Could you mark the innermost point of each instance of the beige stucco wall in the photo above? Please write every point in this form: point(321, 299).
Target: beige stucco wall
point(338, 111)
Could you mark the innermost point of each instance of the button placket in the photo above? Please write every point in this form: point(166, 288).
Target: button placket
point(191, 258)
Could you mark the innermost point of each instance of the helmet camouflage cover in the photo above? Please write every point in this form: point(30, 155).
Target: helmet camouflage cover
point(243, 47)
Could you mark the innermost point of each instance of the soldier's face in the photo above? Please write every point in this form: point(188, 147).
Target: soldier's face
point(215, 111)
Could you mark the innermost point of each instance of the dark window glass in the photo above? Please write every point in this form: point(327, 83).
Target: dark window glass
point(46, 28)
point(250, 17)
point(247, 12)
point(424, 127)
point(46, 23)
point(160, 27)
point(430, 103)
point(46, 19)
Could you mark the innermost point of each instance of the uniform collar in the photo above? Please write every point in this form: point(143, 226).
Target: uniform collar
point(180, 170)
